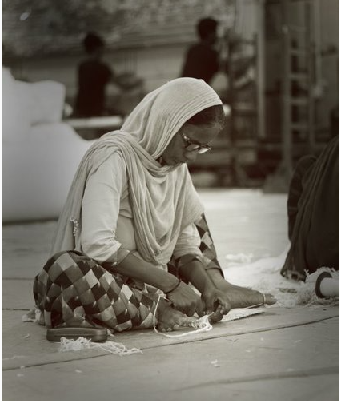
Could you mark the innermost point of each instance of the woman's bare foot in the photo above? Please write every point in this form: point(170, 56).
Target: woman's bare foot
point(170, 319)
point(242, 297)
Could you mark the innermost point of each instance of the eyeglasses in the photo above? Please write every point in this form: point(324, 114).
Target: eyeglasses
point(194, 146)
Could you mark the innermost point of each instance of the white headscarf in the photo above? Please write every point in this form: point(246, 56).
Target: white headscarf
point(163, 199)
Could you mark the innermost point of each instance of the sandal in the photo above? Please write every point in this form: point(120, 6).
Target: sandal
point(90, 333)
point(76, 327)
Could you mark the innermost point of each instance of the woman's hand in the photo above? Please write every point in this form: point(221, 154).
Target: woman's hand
point(216, 303)
point(186, 300)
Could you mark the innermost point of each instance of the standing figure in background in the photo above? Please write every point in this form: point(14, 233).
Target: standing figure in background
point(93, 77)
point(202, 59)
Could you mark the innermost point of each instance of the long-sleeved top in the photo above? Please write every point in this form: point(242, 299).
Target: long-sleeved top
point(107, 218)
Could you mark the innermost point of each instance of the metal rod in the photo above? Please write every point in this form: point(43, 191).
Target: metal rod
point(260, 70)
point(286, 94)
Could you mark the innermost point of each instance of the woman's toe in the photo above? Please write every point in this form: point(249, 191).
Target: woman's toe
point(215, 317)
point(270, 299)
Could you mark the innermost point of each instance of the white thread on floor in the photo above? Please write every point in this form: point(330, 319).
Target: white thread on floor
point(34, 315)
point(109, 346)
point(201, 325)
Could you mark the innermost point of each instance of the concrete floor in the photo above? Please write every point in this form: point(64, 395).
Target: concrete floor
point(280, 354)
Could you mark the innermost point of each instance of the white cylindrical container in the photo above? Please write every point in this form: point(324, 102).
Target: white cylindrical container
point(326, 286)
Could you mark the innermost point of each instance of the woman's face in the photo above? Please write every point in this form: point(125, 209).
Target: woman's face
point(181, 148)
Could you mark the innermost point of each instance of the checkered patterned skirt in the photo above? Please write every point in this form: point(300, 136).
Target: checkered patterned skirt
point(75, 289)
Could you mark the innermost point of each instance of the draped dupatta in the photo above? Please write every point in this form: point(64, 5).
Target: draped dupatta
point(163, 198)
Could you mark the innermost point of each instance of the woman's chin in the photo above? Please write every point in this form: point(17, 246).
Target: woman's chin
point(174, 162)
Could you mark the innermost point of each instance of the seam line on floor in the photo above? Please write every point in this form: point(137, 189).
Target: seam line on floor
point(171, 344)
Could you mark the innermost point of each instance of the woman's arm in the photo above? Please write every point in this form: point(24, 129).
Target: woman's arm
point(181, 295)
point(100, 209)
point(190, 264)
point(214, 299)
point(137, 269)
point(192, 270)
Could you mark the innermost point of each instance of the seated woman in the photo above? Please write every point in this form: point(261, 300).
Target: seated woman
point(132, 233)
point(313, 214)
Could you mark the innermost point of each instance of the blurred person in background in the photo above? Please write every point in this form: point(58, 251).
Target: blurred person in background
point(93, 77)
point(202, 58)
point(213, 59)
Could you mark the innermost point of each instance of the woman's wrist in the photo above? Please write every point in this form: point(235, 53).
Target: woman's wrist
point(170, 284)
point(174, 288)
point(209, 286)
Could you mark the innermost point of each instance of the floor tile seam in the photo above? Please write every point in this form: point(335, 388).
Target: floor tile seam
point(18, 279)
point(297, 374)
point(47, 363)
point(155, 346)
point(278, 327)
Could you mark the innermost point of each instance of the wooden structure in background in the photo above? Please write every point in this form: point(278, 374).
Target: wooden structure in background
point(271, 120)
point(296, 97)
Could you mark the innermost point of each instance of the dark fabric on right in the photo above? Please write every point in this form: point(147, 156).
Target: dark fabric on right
point(314, 222)
point(296, 189)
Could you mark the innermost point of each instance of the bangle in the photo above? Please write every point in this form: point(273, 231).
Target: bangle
point(173, 289)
